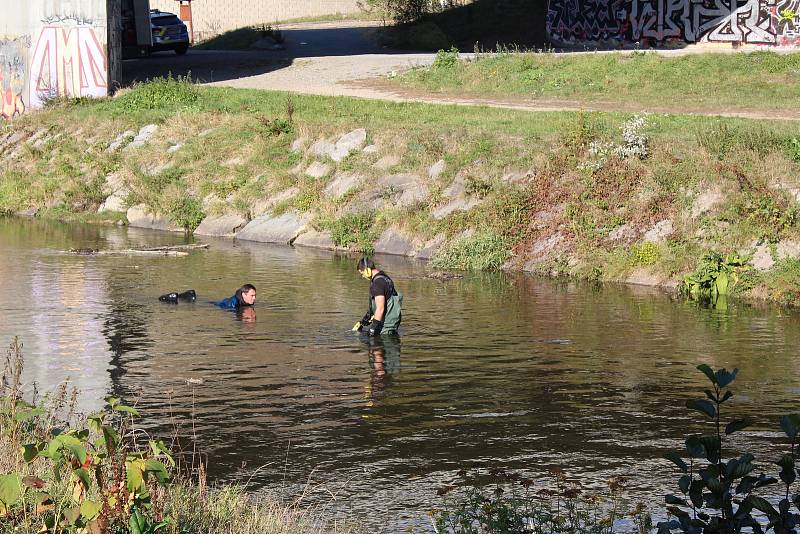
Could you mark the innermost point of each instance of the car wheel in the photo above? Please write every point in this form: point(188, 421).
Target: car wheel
point(182, 50)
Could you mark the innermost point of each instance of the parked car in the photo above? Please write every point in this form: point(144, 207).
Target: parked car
point(169, 32)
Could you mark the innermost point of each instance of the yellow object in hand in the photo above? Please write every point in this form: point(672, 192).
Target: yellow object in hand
point(358, 326)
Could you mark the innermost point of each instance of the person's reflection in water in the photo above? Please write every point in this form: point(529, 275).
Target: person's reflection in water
point(247, 316)
point(384, 361)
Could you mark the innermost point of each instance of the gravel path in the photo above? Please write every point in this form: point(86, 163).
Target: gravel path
point(341, 59)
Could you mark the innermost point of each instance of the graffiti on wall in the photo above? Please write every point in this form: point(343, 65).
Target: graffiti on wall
point(13, 58)
point(67, 62)
point(762, 22)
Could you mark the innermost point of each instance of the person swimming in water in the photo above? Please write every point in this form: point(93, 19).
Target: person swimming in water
point(244, 297)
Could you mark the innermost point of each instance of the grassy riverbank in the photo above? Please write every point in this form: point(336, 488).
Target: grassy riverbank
point(65, 472)
point(710, 82)
point(604, 196)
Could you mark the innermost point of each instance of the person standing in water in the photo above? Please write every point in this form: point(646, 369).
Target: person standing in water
point(385, 303)
point(244, 297)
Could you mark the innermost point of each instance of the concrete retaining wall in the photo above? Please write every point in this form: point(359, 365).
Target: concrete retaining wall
point(49, 49)
point(216, 16)
point(770, 23)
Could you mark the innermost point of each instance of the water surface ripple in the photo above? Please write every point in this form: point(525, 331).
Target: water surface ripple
point(513, 371)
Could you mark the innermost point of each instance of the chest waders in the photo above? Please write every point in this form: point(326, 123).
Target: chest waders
point(393, 313)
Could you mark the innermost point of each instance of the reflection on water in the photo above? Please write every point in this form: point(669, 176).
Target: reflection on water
point(525, 374)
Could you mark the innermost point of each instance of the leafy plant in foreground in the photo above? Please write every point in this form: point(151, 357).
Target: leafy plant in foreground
point(721, 495)
point(74, 478)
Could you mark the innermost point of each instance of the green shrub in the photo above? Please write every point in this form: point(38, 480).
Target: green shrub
point(446, 59)
point(793, 148)
point(187, 213)
point(165, 93)
point(719, 494)
point(354, 230)
point(716, 275)
point(768, 211)
point(306, 199)
point(69, 474)
point(276, 127)
point(482, 251)
point(86, 195)
point(477, 187)
point(645, 254)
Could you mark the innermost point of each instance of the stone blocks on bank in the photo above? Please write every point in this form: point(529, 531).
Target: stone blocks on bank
point(279, 229)
point(141, 217)
point(343, 147)
point(431, 247)
point(393, 241)
point(342, 184)
point(115, 202)
point(143, 137)
point(222, 226)
point(316, 239)
point(317, 170)
point(456, 192)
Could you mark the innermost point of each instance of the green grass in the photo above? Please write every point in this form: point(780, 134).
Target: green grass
point(483, 251)
point(701, 82)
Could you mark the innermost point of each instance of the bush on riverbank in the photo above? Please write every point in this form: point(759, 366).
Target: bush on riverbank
point(602, 196)
point(61, 472)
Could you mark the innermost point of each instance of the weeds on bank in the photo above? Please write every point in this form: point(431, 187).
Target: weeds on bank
point(354, 230)
point(576, 178)
point(64, 473)
point(67, 473)
point(482, 251)
point(498, 501)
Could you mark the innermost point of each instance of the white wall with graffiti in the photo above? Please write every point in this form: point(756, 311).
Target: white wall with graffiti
point(51, 49)
point(676, 22)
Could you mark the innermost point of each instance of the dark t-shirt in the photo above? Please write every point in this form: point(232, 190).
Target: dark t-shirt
point(382, 285)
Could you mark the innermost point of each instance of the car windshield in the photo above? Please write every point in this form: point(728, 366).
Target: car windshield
point(165, 20)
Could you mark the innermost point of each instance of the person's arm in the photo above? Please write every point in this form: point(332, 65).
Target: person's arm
point(377, 321)
point(380, 307)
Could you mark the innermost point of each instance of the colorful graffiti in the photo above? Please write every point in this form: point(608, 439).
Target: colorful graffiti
point(67, 61)
point(13, 58)
point(762, 22)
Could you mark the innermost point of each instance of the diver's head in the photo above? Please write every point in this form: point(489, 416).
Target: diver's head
point(366, 268)
point(248, 294)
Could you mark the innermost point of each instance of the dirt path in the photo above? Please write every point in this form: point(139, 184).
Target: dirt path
point(341, 59)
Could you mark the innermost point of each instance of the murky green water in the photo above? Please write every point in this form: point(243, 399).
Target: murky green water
point(521, 373)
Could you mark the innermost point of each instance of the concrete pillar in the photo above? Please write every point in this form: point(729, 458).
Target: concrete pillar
point(114, 44)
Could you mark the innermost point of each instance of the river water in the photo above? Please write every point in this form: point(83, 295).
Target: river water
point(506, 371)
